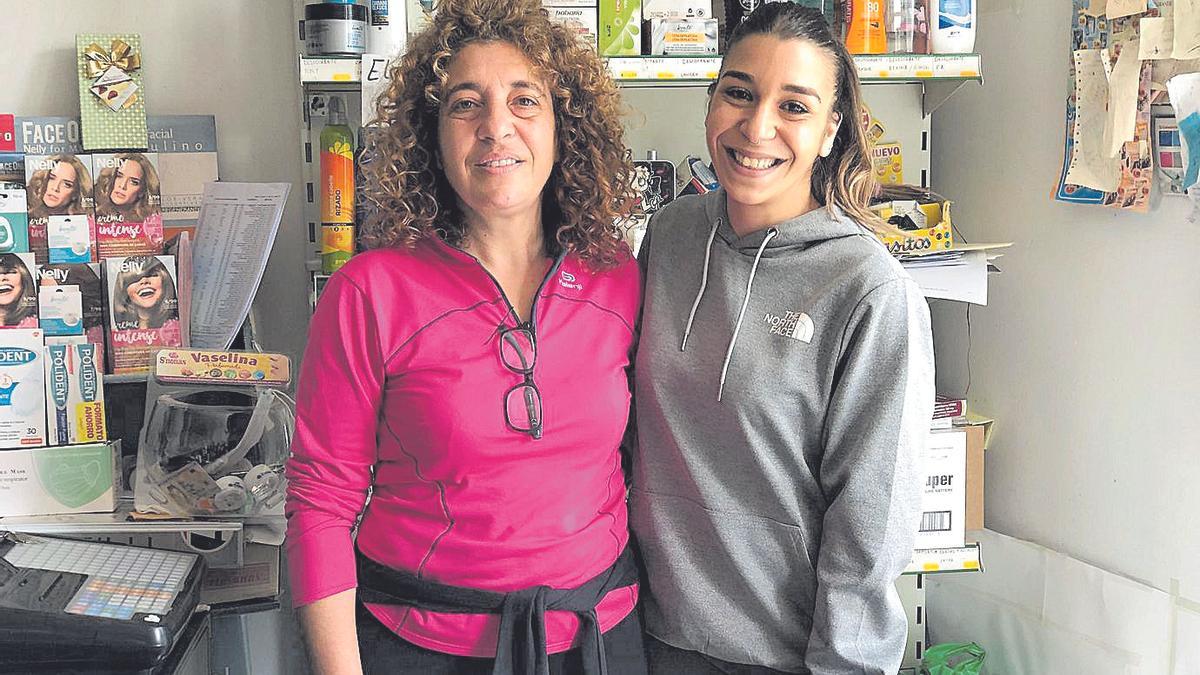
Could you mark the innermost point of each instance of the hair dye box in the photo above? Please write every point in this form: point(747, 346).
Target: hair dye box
point(59, 480)
point(18, 291)
point(87, 278)
point(74, 395)
point(143, 310)
point(22, 389)
point(57, 185)
point(128, 198)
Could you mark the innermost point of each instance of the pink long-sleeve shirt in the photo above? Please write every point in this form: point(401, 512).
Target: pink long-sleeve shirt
point(403, 375)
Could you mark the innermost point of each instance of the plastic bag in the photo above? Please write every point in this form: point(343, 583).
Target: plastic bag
point(953, 658)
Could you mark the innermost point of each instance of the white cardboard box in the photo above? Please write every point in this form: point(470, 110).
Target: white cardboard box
point(677, 9)
point(944, 491)
point(581, 20)
point(57, 480)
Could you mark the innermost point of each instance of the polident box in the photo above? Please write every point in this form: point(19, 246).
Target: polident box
point(74, 395)
point(52, 481)
point(22, 389)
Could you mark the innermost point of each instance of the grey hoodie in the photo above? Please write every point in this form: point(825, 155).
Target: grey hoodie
point(776, 491)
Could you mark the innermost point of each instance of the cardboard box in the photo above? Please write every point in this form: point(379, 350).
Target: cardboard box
point(620, 27)
point(937, 235)
point(128, 211)
point(975, 448)
point(143, 310)
point(66, 479)
point(258, 577)
point(22, 388)
point(944, 493)
point(581, 20)
point(677, 9)
point(681, 37)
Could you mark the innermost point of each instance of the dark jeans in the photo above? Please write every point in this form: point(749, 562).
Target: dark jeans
point(664, 659)
point(382, 651)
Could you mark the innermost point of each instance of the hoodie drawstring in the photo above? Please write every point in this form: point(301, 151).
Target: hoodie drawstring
point(703, 284)
point(745, 301)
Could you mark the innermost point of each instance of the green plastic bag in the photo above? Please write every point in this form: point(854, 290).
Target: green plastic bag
point(953, 658)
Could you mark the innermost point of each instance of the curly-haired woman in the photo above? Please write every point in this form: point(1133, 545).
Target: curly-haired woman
point(468, 374)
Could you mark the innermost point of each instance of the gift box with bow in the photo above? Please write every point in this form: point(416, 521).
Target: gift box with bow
point(112, 101)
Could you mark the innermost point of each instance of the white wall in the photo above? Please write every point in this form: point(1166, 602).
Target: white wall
point(234, 59)
point(1087, 353)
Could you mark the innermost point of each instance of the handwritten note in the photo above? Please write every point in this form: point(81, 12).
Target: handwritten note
point(1090, 165)
point(1119, 8)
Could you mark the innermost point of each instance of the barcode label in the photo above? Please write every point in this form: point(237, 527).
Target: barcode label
point(935, 521)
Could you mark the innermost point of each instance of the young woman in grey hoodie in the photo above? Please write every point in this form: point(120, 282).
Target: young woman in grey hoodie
point(784, 381)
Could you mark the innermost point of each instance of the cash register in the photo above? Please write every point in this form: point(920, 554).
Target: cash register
point(78, 605)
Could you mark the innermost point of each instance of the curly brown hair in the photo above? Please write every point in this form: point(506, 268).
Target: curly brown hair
point(407, 196)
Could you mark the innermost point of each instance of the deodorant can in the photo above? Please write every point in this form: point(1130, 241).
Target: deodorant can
point(337, 245)
point(387, 31)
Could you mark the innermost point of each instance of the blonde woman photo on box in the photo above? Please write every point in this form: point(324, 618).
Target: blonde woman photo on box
point(129, 191)
point(144, 296)
point(784, 381)
point(64, 189)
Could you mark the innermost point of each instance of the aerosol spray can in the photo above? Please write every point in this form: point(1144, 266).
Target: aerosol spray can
point(337, 188)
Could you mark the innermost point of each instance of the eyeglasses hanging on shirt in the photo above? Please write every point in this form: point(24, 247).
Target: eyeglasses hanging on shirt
point(522, 402)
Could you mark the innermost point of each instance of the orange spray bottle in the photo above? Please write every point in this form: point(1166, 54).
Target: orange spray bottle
point(865, 33)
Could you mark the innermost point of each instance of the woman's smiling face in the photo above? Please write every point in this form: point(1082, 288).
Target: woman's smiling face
point(11, 287)
point(146, 292)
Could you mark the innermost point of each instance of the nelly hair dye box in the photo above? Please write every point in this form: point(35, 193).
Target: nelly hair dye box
point(128, 198)
point(56, 185)
point(85, 276)
point(22, 388)
point(143, 310)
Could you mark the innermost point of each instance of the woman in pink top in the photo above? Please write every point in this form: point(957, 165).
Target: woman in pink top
point(464, 392)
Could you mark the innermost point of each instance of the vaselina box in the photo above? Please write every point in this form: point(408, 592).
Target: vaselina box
point(74, 395)
point(22, 389)
point(52, 481)
point(581, 20)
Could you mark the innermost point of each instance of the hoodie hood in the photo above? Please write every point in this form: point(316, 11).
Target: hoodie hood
point(817, 226)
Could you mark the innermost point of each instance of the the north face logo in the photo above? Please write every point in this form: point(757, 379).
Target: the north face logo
point(796, 325)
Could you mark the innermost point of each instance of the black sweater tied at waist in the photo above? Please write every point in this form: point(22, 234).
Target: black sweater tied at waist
point(521, 647)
